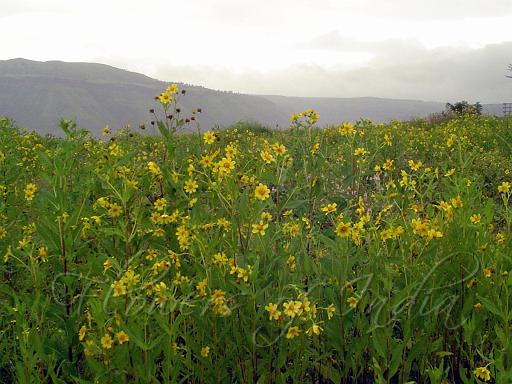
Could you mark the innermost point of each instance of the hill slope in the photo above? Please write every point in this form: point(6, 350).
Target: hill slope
point(38, 94)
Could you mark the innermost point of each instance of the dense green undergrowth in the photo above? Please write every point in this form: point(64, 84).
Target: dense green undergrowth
point(363, 253)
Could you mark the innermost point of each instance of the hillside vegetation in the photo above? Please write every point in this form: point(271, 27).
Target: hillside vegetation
point(39, 94)
point(361, 253)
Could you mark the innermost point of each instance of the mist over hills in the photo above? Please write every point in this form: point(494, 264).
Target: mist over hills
point(38, 94)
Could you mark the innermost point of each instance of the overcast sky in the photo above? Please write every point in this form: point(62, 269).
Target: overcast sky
point(442, 50)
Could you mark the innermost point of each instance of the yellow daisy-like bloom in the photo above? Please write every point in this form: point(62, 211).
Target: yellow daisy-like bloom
point(504, 187)
point(343, 229)
point(329, 208)
point(450, 172)
point(106, 341)
point(476, 218)
point(172, 89)
point(119, 288)
point(273, 312)
point(346, 128)
point(231, 151)
point(360, 152)
point(456, 202)
point(190, 186)
point(209, 137)
point(482, 373)
point(106, 131)
point(352, 302)
point(488, 272)
point(388, 165)
point(415, 166)
point(205, 351)
point(164, 98)
point(225, 165)
point(314, 329)
point(279, 149)
point(262, 192)
point(289, 309)
point(259, 228)
point(30, 191)
point(122, 337)
point(160, 204)
point(292, 332)
point(115, 210)
point(500, 238)
point(267, 157)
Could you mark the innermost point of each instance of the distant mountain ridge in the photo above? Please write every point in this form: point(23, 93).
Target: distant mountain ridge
point(38, 94)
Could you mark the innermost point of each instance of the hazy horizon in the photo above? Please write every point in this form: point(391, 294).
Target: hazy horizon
point(440, 50)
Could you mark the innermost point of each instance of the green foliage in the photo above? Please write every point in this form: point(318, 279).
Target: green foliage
point(358, 254)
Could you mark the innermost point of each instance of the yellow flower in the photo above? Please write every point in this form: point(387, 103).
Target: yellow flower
point(360, 152)
point(115, 210)
point(160, 204)
point(273, 312)
point(343, 229)
point(330, 311)
point(262, 192)
point(415, 166)
point(205, 351)
point(500, 238)
point(30, 190)
point(475, 218)
point(456, 202)
point(329, 208)
point(346, 128)
point(292, 332)
point(388, 165)
point(106, 131)
point(291, 308)
point(504, 187)
point(488, 272)
point(172, 89)
point(482, 373)
point(106, 341)
point(209, 137)
point(450, 172)
point(267, 157)
point(225, 166)
point(291, 263)
point(352, 302)
point(190, 186)
point(164, 99)
point(43, 253)
point(82, 332)
point(279, 149)
point(259, 228)
point(314, 329)
point(477, 306)
point(119, 288)
point(122, 337)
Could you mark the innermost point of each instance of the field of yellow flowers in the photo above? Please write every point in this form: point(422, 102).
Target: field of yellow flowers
point(362, 253)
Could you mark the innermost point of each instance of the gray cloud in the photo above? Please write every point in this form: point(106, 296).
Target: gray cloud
point(400, 70)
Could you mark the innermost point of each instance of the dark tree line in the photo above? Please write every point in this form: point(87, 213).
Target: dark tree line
point(463, 107)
